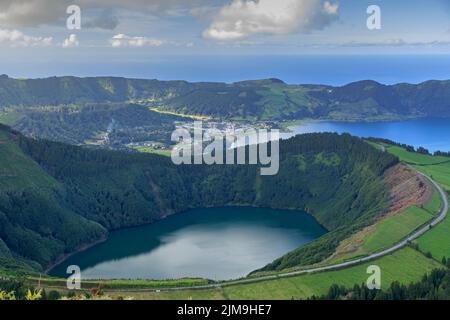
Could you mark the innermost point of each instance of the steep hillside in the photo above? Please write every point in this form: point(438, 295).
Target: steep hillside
point(72, 90)
point(269, 99)
point(35, 224)
point(55, 197)
point(124, 123)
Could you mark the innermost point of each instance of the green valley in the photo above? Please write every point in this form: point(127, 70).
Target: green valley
point(116, 112)
point(101, 190)
point(269, 99)
point(304, 286)
point(92, 201)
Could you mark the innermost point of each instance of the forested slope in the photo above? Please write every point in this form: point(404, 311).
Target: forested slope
point(56, 197)
point(270, 99)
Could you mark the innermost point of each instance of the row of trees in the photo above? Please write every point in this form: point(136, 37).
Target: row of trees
point(409, 148)
point(433, 286)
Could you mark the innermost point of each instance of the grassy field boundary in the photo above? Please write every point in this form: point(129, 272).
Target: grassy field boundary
point(181, 115)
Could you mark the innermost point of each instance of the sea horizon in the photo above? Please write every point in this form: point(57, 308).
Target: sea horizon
point(334, 70)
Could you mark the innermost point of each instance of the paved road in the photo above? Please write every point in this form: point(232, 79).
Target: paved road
point(396, 247)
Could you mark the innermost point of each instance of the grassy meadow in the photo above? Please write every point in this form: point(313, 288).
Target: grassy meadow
point(437, 240)
point(405, 266)
point(393, 229)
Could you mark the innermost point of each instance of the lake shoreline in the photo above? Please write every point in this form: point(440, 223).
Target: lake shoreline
point(299, 230)
point(66, 256)
point(430, 133)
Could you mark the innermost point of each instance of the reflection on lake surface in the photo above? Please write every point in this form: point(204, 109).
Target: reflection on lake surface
point(433, 134)
point(215, 243)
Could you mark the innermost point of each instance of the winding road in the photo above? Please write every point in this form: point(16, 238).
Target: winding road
point(373, 256)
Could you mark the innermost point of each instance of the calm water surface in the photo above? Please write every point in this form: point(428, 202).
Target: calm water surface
point(433, 134)
point(295, 69)
point(216, 243)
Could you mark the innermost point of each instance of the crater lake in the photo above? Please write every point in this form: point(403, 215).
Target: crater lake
point(213, 243)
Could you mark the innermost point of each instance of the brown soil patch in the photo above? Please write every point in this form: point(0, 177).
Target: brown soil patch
point(407, 188)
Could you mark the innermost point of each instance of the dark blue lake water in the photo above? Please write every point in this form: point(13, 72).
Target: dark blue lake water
point(214, 243)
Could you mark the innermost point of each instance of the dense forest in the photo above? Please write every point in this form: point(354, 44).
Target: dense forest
point(77, 124)
point(55, 197)
point(270, 99)
point(433, 286)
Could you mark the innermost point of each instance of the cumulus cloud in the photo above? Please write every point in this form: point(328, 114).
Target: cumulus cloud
point(122, 40)
point(71, 41)
point(31, 13)
point(15, 38)
point(242, 18)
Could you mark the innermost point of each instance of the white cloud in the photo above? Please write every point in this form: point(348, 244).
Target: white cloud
point(31, 13)
point(16, 38)
point(242, 18)
point(28, 13)
point(122, 40)
point(71, 41)
point(331, 8)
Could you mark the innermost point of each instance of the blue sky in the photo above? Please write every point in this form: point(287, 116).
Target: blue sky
point(33, 32)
